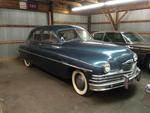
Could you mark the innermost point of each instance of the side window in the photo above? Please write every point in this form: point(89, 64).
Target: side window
point(67, 35)
point(48, 36)
point(36, 35)
point(107, 39)
point(98, 36)
point(114, 37)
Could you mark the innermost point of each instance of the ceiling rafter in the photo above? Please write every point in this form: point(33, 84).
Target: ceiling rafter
point(92, 1)
point(67, 2)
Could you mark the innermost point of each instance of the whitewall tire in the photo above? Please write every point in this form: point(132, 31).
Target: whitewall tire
point(27, 63)
point(80, 83)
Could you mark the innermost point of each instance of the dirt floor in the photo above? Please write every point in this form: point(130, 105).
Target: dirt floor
point(31, 90)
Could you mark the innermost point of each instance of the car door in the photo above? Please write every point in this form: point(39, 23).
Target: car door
point(115, 38)
point(35, 39)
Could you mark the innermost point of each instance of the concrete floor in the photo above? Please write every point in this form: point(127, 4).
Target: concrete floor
point(31, 90)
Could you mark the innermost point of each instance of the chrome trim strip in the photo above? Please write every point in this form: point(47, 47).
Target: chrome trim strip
point(22, 50)
point(113, 73)
point(106, 80)
point(106, 84)
point(106, 89)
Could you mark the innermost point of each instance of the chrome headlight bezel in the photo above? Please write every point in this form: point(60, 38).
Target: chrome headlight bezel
point(107, 68)
point(135, 57)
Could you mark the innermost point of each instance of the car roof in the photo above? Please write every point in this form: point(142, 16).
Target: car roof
point(57, 27)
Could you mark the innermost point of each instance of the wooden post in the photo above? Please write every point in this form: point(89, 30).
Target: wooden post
point(52, 13)
point(125, 13)
point(116, 21)
point(112, 21)
point(48, 18)
point(89, 23)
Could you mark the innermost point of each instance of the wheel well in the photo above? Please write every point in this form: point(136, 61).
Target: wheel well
point(71, 69)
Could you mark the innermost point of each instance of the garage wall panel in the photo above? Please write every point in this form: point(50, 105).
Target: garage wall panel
point(9, 50)
point(137, 15)
point(17, 17)
point(135, 27)
point(71, 18)
point(98, 18)
point(11, 34)
point(20, 17)
point(100, 27)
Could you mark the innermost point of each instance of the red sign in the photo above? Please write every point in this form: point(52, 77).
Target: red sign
point(33, 5)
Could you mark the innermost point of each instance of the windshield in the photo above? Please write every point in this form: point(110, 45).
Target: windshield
point(74, 34)
point(133, 37)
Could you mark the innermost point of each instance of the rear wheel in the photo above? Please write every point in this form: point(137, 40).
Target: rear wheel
point(27, 63)
point(80, 83)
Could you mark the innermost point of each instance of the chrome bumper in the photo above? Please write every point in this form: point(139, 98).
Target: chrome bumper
point(113, 80)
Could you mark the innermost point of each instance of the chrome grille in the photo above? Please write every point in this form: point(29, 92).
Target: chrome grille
point(102, 79)
point(128, 70)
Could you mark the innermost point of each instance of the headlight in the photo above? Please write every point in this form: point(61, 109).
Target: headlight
point(135, 57)
point(106, 68)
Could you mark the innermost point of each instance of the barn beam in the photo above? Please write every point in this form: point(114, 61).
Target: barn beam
point(67, 2)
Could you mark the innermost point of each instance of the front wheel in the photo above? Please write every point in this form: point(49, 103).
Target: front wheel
point(27, 63)
point(80, 83)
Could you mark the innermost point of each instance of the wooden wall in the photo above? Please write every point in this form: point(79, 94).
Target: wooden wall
point(135, 21)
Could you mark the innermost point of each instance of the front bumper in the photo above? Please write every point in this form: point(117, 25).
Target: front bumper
point(113, 80)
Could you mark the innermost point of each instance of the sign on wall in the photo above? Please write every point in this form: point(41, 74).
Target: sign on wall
point(23, 5)
point(26, 4)
point(32, 5)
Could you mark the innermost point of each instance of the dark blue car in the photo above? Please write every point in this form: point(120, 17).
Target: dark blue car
point(69, 51)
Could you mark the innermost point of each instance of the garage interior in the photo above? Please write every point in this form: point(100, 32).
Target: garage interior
point(32, 90)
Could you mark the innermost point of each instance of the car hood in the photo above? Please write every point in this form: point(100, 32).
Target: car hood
point(97, 52)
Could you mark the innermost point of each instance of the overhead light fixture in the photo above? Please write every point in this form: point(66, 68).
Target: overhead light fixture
point(116, 2)
point(93, 6)
point(108, 3)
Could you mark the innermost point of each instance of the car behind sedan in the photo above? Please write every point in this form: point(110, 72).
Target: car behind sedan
point(131, 40)
point(70, 52)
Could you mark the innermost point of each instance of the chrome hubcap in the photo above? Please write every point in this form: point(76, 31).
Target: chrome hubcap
point(27, 62)
point(80, 82)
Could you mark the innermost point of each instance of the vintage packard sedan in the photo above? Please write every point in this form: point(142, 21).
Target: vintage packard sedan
point(70, 52)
